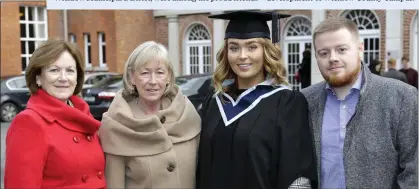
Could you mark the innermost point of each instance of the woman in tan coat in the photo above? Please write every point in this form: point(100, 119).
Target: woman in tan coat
point(150, 133)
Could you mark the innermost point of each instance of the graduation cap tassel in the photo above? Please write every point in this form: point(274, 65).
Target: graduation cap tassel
point(275, 36)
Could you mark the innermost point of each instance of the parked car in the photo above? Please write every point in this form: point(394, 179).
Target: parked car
point(92, 78)
point(196, 88)
point(184, 78)
point(100, 95)
point(14, 96)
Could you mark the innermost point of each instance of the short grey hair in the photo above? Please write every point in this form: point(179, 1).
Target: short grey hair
point(144, 53)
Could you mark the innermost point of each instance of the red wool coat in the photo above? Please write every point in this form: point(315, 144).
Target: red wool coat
point(53, 145)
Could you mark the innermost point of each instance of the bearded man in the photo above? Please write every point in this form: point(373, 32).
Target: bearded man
point(365, 126)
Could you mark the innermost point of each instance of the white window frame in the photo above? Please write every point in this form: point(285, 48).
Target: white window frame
point(102, 62)
point(86, 51)
point(414, 47)
point(200, 44)
point(368, 33)
point(36, 22)
point(295, 39)
point(302, 40)
point(72, 38)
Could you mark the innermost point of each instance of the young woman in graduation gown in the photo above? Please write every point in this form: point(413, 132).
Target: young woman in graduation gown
point(255, 130)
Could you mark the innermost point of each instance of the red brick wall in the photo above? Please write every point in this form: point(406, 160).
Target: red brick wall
point(125, 30)
point(285, 21)
point(408, 16)
point(185, 23)
point(55, 24)
point(162, 33)
point(92, 22)
point(381, 16)
point(131, 29)
point(10, 37)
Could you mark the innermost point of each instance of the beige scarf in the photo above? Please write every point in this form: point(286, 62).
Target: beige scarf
point(127, 131)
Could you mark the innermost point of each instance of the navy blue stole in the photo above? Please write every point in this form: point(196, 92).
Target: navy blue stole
point(231, 109)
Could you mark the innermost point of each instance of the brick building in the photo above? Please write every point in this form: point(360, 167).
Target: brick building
point(107, 37)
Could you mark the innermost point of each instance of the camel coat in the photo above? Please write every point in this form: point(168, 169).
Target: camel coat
point(150, 151)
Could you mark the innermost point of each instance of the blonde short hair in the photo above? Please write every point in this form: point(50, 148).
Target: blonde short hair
point(141, 55)
point(391, 61)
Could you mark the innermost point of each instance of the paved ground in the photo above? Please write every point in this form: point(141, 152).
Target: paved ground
point(3, 132)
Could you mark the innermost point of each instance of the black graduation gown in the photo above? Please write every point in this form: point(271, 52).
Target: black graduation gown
point(267, 148)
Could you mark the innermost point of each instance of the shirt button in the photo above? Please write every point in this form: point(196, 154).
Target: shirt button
point(171, 167)
point(85, 178)
point(89, 138)
point(76, 139)
point(100, 175)
point(163, 119)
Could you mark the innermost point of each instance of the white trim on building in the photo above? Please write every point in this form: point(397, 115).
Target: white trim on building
point(369, 31)
point(87, 50)
point(72, 37)
point(197, 51)
point(102, 49)
point(33, 31)
point(297, 34)
point(173, 40)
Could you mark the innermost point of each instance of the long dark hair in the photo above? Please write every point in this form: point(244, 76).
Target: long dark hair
point(373, 65)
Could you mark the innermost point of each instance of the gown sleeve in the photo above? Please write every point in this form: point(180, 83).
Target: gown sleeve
point(205, 104)
point(297, 164)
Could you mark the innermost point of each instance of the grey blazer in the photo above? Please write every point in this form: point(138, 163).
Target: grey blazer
point(380, 147)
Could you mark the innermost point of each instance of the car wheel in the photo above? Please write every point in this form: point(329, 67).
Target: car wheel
point(8, 111)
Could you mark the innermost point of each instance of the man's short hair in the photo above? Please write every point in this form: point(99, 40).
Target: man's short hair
point(334, 24)
point(391, 61)
point(405, 58)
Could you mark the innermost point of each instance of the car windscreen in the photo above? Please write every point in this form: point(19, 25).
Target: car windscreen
point(193, 83)
point(114, 81)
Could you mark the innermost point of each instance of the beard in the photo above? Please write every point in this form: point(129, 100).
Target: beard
point(346, 79)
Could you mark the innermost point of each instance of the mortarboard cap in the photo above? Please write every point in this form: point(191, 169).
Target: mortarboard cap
point(251, 24)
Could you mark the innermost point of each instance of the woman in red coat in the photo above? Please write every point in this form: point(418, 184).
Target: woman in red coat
point(53, 143)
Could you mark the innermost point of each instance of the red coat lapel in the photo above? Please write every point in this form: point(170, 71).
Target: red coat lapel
point(51, 109)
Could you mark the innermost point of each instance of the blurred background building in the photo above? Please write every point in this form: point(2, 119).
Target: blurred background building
point(107, 37)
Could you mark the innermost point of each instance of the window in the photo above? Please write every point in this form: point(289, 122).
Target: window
point(72, 38)
point(95, 79)
point(198, 50)
point(369, 32)
point(33, 31)
point(18, 83)
point(87, 50)
point(297, 38)
point(102, 49)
